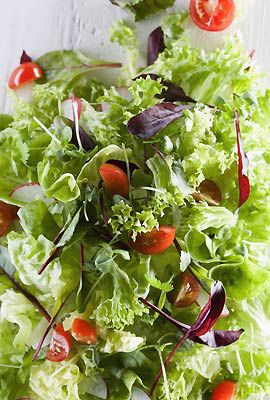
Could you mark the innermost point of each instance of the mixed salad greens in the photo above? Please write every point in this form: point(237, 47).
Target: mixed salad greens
point(134, 236)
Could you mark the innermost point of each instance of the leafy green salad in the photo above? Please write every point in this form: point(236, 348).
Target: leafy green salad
point(135, 224)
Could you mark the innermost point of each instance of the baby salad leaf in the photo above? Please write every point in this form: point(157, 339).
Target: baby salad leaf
point(143, 8)
point(25, 58)
point(154, 119)
point(244, 185)
point(66, 65)
point(155, 45)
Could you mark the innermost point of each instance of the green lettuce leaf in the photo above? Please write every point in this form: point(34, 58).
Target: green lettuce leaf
point(143, 8)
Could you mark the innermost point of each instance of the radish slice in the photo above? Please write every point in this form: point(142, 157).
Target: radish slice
point(139, 394)
point(25, 92)
point(67, 108)
point(96, 387)
point(27, 192)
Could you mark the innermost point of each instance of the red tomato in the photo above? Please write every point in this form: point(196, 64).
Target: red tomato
point(6, 217)
point(212, 15)
point(115, 180)
point(23, 74)
point(83, 331)
point(60, 346)
point(186, 291)
point(224, 391)
point(154, 242)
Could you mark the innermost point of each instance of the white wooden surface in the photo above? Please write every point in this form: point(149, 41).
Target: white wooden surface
point(43, 25)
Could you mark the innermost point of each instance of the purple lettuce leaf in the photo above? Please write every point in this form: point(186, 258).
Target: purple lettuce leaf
point(151, 121)
point(155, 45)
point(25, 58)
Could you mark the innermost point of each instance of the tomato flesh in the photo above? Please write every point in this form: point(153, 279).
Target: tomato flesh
point(186, 291)
point(23, 74)
point(212, 15)
point(115, 180)
point(60, 346)
point(209, 192)
point(7, 215)
point(154, 242)
point(83, 331)
point(224, 391)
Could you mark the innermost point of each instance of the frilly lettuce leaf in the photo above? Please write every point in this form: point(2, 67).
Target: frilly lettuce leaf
point(28, 254)
point(61, 381)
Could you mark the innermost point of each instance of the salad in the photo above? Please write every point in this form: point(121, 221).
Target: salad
point(135, 221)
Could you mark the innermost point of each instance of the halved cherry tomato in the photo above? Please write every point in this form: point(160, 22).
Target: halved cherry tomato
point(60, 346)
point(209, 192)
point(7, 215)
point(212, 15)
point(83, 331)
point(186, 291)
point(154, 242)
point(24, 73)
point(115, 180)
point(224, 391)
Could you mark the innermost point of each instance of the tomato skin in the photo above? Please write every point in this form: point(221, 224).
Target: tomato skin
point(60, 346)
point(186, 291)
point(83, 331)
point(115, 180)
point(24, 73)
point(224, 391)
point(7, 215)
point(154, 242)
point(212, 17)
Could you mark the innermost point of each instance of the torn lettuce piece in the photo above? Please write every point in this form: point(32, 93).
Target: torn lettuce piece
point(119, 341)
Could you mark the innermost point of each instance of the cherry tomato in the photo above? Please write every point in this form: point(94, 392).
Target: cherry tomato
point(212, 15)
point(186, 291)
point(83, 331)
point(224, 391)
point(154, 242)
point(209, 192)
point(6, 217)
point(24, 73)
point(60, 346)
point(115, 180)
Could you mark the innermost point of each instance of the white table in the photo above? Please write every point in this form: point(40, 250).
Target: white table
point(39, 26)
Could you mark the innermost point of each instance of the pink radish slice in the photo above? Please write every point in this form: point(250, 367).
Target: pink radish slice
point(139, 394)
point(27, 192)
point(25, 92)
point(97, 387)
point(67, 107)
